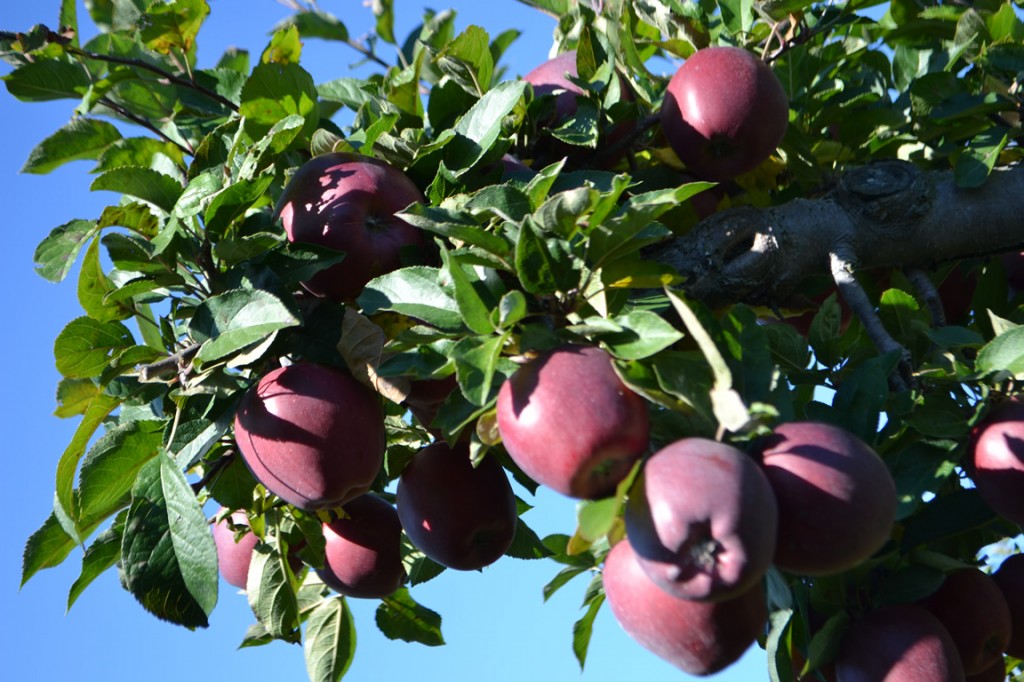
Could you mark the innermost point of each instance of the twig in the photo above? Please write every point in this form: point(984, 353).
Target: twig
point(145, 123)
point(169, 366)
point(146, 66)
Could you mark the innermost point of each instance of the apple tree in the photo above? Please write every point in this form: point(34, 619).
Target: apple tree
point(745, 278)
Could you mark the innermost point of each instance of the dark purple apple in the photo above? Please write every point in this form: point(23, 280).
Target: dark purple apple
point(234, 557)
point(837, 500)
point(724, 112)
point(364, 550)
point(1009, 577)
point(699, 638)
point(974, 611)
point(426, 397)
point(461, 516)
point(997, 460)
point(901, 643)
point(312, 435)
point(702, 519)
point(348, 202)
point(570, 423)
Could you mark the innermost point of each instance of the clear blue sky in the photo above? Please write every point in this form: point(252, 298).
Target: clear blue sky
point(496, 625)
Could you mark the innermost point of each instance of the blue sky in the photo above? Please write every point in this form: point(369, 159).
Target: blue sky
point(496, 625)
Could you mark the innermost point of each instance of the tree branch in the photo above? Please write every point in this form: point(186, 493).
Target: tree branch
point(170, 366)
point(145, 123)
point(888, 214)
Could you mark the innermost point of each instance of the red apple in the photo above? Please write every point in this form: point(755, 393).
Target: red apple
point(426, 397)
point(902, 643)
point(570, 423)
point(837, 499)
point(1010, 579)
point(724, 112)
point(312, 435)
point(997, 460)
point(702, 519)
point(461, 516)
point(971, 607)
point(364, 550)
point(348, 202)
point(699, 638)
point(234, 557)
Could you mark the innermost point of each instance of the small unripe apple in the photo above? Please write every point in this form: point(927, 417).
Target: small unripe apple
point(901, 643)
point(837, 500)
point(699, 638)
point(363, 556)
point(1009, 577)
point(234, 557)
point(347, 202)
point(461, 516)
point(312, 435)
point(702, 520)
point(569, 422)
point(997, 460)
point(724, 112)
point(971, 607)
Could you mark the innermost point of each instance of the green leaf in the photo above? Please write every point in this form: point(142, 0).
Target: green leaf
point(643, 333)
point(48, 79)
point(102, 554)
point(526, 544)
point(536, 265)
point(399, 616)
point(173, 26)
point(478, 130)
point(385, 13)
point(477, 362)
point(270, 592)
point(455, 225)
point(85, 347)
point(283, 135)
point(146, 184)
point(97, 411)
point(82, 138)
point(74, 396)
point(330, 641)
point(111, 466)
point(313, 23)
point(860, 398)
point(1003, 354)
point(194, 437)
point(974, 165)
point(168, 559)
point(234, 320)
point(584, 628)
point(468, 61)
point(413, 291)
point(232, 202)
point(474, 311)
point(46, 548)
point(94, 286)
point(56, 254)
point(562, 578)
point(276, 91)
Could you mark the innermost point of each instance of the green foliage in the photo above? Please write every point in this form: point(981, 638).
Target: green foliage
point(190, 290)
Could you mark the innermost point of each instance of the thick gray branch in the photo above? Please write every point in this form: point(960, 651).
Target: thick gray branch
point(887, 214)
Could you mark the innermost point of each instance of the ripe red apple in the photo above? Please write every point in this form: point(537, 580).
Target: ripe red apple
point(1010, 579)
point(997, 459)
point(702, 520)
point(837, 499)
point(699, 638)
point(570, 423)
point(348, 202)
point(461, 516)
point(724, 112)
point(233, 558)
point(312, 435)
point(901, 643)
point(364, 550)
point(974, 611)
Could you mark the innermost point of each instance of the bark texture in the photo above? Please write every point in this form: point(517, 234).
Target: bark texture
point(888, 214)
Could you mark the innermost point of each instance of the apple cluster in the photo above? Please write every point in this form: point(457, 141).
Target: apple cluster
point(704, 520)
